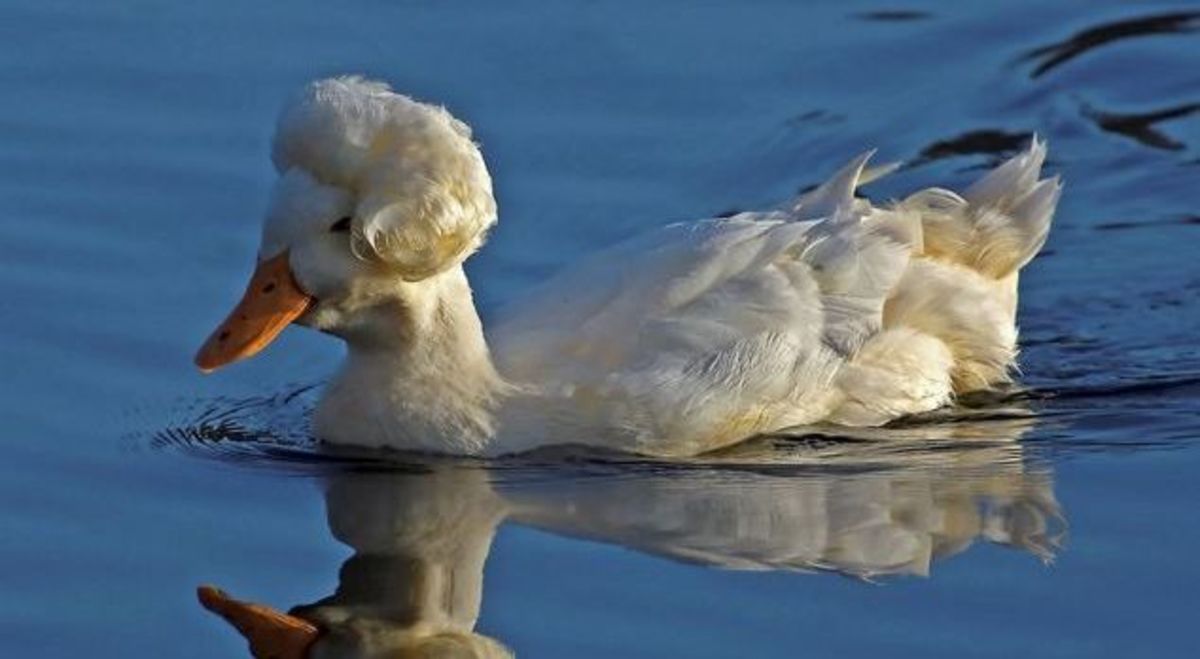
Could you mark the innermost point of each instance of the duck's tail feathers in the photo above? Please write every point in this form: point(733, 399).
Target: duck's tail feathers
point(998, 224)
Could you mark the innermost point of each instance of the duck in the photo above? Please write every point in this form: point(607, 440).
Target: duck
point(826, 310)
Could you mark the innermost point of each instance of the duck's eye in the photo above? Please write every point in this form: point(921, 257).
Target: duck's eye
point(341, 226)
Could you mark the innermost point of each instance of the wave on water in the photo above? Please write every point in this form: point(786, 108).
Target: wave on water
point(992, 428)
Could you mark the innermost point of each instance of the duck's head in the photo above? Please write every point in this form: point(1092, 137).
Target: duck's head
point(377, 194)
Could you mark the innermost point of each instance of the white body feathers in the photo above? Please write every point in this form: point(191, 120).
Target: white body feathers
point(705, 333)
point(685, 340)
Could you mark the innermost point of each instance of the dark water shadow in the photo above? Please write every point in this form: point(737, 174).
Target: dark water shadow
point(1126, 225)
point(994, 143)
point(1142, 126)
point(1052, 56)
point(1185, 386)
point(893, 15)
point(818, 117)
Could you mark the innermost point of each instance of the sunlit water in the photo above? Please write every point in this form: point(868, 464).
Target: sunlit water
point(1055, 520)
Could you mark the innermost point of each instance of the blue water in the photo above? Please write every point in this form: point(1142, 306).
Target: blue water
point(1060, 521)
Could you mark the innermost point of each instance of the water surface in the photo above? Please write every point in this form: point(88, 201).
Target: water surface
point(1058, 521)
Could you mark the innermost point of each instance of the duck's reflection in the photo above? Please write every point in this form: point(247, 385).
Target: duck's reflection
point(415, 583)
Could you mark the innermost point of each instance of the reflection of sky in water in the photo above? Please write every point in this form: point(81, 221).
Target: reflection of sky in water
point(135, 169)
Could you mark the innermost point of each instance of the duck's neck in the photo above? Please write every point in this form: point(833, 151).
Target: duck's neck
point(420, 542)
point(418, 374)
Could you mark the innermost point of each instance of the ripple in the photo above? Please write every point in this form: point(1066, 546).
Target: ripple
point(1122, 225)
point(893, 15)
point(1187, 385)
point(1054, 55)
point(992, 142)
point(273, 432)
point(1141, 126)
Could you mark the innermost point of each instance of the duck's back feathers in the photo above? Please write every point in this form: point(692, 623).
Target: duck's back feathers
point(710, 331)
point(703, 333)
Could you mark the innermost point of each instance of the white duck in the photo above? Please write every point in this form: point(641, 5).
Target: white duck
point(691, 338)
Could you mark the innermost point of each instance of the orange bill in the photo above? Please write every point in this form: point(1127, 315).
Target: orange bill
point(271, 634)
point(271, 302)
